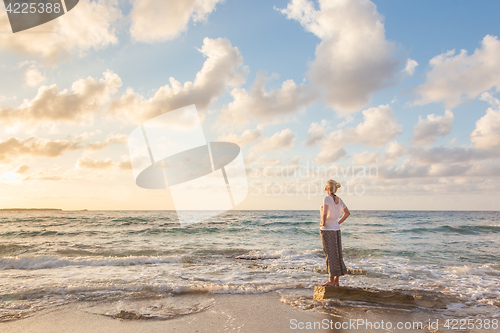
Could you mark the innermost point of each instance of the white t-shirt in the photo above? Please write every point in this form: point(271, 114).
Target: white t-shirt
point(334, 212)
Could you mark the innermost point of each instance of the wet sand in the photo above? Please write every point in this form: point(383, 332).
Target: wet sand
point(213, 313)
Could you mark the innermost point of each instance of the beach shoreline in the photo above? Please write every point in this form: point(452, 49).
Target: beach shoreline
point(266, 312)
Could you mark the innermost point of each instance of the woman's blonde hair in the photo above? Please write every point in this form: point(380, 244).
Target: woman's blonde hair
point(332, 186)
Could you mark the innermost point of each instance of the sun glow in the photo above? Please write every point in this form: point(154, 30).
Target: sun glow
point(10, 177)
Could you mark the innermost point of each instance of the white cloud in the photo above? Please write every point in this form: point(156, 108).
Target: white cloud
point(112, 138)
point(266, 105)
point(353, 60)
point(273, 161)
point(492, 100)
point(454, 79)
point(377, 129)
point(220, 70)
point(316, 133)
point(91, 164)
point(284, 139)
point(33, 76)
point(6, 98)
point(427, 130)
point(33, 146)
point(394, 151)
point(85, 98)
point(366, 158)
point(87, 27)
point(330, 155)
point(409, 170)
point(294, 161)
point(410, 67)
point(486, 135)
point(379, 126)
point(246, 137)
point(462, 154)
point(154, 20)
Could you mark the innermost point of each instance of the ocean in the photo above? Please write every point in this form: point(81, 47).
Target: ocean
point(49, 258)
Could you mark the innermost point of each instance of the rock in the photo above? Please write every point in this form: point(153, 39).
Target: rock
point(412, 298)
point(356, 271)
point(128, 315)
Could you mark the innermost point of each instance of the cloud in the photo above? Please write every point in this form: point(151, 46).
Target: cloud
point(493, 101)
point(410, 67)
point(83, 100)
point(294, 161)
point(455, 79)
point(316, 133)
point(284, 139)
point(34, 146)
point(267, 105)
point(353, 60)
point(377, 129)
point(246, 137)
point(379, 126)
point(110, 139)
point(220, 70)
point(273, 161)
point(87, 27)
point(407, 170)
point(486, 135)
point(366, 158)
point(91, 164)
point(6, 98)
point(462, 170)
point(447, 155)
point(394, 151)
point(427, 130)
point(431, 162)
point(125, 163)
point(22, 169)
point(154, 21)
point(330, 155)
point(33, 76)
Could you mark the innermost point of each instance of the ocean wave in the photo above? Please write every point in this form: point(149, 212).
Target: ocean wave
point(48, 262)
point(461, 229)
point(14, 249)
point(279, 254)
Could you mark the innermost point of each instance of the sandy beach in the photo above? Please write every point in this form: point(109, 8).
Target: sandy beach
point(224, 313)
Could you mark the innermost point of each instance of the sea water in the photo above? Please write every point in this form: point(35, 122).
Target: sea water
point(54, 257)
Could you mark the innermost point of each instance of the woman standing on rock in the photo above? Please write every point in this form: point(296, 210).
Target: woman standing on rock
point(331, 210)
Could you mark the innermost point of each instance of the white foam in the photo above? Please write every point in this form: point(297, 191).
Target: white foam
point(279, 254)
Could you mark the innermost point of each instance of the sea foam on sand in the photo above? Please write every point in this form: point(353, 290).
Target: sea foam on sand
point(267, 312)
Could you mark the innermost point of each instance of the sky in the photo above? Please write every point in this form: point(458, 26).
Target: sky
point(398, 101)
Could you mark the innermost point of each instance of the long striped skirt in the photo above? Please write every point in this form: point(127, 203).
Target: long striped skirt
point(332, 245)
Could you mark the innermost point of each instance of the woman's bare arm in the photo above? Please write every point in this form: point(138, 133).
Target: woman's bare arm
point(323, 217)
point(346, 215)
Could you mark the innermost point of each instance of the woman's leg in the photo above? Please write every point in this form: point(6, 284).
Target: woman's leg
point(337, 258)
point(336, 281)
point(330, 281)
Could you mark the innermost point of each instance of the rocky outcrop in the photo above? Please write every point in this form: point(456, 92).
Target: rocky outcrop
point(394, 297)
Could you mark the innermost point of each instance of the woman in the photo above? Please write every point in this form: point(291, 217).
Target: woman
point(330, 232)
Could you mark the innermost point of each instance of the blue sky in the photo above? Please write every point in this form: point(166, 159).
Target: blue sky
point(337, 95)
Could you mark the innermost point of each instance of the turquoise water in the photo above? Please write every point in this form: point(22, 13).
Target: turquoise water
point(49, 258)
